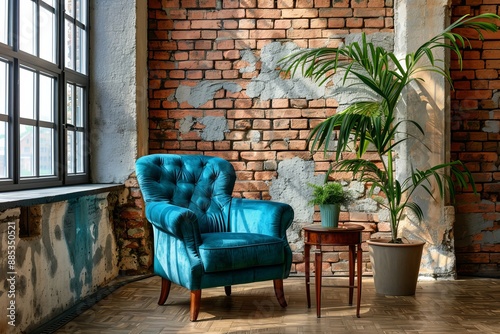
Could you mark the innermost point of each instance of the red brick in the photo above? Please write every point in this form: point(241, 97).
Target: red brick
point(222, 145)
point(375, 23)
point(299, 13)
point(191, 34)
point(207, 3)
point(335, 12)
point(224, 45)
point(250, 186)
point(265, 3)
point(473, 94)
point(242, 113)
point(226, 14)
point(283, 113)
point(227, 155)
point(369, 12)
point(206, 24)
point(265, 176)
point(353, 22)
point(267, 34)
point(263, 14)
point(230, 4)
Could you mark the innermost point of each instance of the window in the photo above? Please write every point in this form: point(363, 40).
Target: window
point(43, 93)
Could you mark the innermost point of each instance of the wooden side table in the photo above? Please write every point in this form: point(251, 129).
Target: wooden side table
point(344, 235)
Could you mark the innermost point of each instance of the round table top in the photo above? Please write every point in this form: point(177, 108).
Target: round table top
point(341, 228)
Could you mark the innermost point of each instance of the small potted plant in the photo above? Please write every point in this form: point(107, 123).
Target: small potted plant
point(330, 196)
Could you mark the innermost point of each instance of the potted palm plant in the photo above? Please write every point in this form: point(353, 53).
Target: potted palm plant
point(371, 124)
point(329, 196)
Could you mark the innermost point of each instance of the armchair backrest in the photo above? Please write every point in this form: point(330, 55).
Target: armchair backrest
point(203, 184)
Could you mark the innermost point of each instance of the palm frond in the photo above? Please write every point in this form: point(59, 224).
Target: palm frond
point(373, 123)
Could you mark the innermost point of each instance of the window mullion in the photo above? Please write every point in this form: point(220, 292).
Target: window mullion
point(15, 25)
point(61, 142)
point(15, 125)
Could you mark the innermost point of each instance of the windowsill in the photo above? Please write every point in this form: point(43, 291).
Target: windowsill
point(14, 199)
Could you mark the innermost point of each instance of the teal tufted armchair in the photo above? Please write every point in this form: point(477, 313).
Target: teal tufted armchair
point(203, 237)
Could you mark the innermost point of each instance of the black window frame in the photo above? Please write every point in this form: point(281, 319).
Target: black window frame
point(63, 76)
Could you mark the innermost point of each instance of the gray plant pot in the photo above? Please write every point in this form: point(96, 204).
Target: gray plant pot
point(395, 266)
point(329, 215)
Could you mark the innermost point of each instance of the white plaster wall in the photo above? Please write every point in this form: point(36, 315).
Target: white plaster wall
point(73, 256)
point(428, 104)
point(118, 88)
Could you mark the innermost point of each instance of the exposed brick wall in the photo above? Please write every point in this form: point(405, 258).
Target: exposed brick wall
point(190, 42)
point(475, 130)
point(134, 235)
point(206, 40)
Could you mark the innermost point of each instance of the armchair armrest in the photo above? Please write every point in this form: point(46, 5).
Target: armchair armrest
point(174, 220)
point(259, 216)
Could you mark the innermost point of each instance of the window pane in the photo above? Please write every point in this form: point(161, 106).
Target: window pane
point(47, 35)
point(46, 98)
point(81, 57)
point(46, 152)
point(69, 104)
point(71, 157)
point(81, 11)
point(79, 152)
point(4, 21)
point(4, 87)
point(68, 6)
point(4, 152)
point(27, 150)
point(79, 107)
point(69, 45)
point(27, 93)
point(27, 24)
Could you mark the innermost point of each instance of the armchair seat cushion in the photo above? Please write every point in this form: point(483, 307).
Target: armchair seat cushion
point(226, 251)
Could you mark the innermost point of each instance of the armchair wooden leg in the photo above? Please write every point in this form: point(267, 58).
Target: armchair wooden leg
point(280, 293)
point(165, 290)
point(227, 289)
point(195, 304)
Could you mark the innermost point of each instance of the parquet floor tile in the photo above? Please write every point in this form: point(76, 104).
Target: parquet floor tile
point(439, 307)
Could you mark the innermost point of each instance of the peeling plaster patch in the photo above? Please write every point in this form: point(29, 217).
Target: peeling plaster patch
point(186, 124)
point(495, 99)
point(251, 59)
point(269, 85)
point(182, 93)
point(382, 39)
point(291, 187)
point(438, 261)
point(47, 242)
point(254, 136)
point(215, 127)
point(203, 92)
point(364, 205)
point(491, 126)
point(349, 91)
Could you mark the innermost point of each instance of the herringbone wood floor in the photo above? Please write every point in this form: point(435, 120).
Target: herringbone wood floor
point(459, 306)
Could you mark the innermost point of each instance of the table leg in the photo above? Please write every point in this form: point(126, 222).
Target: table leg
point(360, 265)
point(307, 263)
point(351, 272)
point(318, 271)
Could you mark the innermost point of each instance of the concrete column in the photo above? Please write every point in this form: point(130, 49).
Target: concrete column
point(118, 88)
point(428, 103)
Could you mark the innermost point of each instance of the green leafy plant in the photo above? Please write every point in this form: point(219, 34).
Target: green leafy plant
point(372, 122)
point(330, 193)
